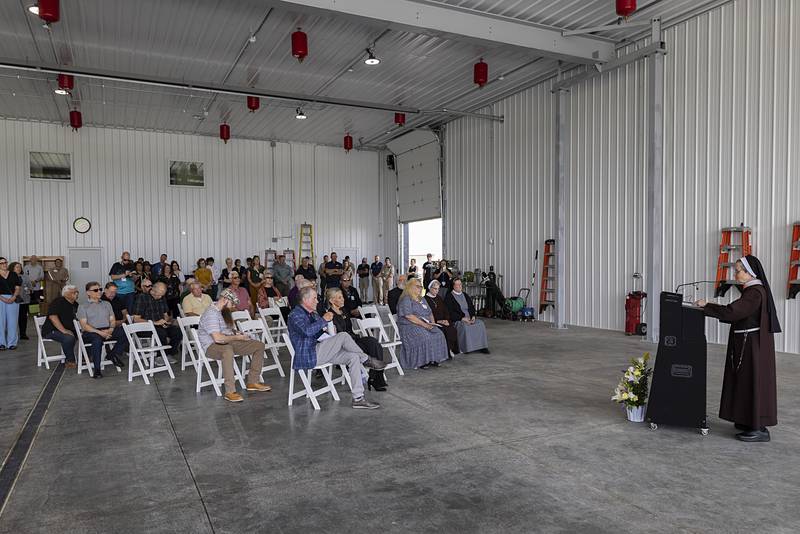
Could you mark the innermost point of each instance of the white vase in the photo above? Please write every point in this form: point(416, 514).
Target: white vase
point(635, 414)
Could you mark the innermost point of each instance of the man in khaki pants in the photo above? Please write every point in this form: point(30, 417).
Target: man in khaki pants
point(220, 343)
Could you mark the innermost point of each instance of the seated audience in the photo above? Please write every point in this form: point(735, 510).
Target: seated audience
point(97, 321)
point(300, 285)
point(282, 273)
point(424, 344)
point(305, 326)
point(442, 315)
point(343, 323)
point(10, 287)
point(269, 291)
point(219, 342)
point(241, 293)
point(59, 326)
point(176, 270)
point(352, 301)
point(117, 306)
point(471, 331)
point(187, 289)
point(196, 302)
point(393, 296)
point(154, 308)
point(306, 270)
point(294, 293)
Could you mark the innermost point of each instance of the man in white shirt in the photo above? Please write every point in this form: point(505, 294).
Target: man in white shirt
point(35, 274)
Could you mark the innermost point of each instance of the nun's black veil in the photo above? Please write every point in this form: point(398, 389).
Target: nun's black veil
point(772, 314)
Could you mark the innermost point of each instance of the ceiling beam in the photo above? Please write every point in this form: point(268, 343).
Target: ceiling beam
point(101, 74)
point(413, 16)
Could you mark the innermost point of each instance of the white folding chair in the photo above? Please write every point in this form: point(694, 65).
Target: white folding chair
point(368, 311)
point(305, 378)
point(374, 326)
point(257, 329)
point(144, 355)
point(204, 362)
point(283, 301)
point(240, 315)
point(41, 354)
point(188, 354)
point(180, 310)
point(84, 362)
point(273, 318)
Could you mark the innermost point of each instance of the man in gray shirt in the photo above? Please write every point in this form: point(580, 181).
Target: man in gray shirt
point(97, 323)
point(219, 342)
point(283, 274)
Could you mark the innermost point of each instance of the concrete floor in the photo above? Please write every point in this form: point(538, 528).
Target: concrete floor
point(522, 440)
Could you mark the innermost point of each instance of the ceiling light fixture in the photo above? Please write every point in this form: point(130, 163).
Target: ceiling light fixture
point(371, 60)
point(300, 115)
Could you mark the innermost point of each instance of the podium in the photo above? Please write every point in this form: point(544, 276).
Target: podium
point(678, 389)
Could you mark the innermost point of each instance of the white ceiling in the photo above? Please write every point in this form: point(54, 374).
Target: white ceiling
point(206, 41)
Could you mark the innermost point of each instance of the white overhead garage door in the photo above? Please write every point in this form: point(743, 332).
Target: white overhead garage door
point(419, 184)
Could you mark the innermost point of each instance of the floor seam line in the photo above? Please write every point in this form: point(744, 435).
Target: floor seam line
point(185, 459)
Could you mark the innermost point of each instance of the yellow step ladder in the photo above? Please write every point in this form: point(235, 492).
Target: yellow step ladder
point(306, 247)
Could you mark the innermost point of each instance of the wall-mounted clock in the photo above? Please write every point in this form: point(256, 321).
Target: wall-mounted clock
point(81, 225)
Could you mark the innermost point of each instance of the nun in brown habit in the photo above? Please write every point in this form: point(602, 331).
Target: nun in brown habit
point(749, 397)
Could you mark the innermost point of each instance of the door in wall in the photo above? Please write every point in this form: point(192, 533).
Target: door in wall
point(85, 265)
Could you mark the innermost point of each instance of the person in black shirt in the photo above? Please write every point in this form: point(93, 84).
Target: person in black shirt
point(395, 293)
point(59, 325)
point(307, 270)
point(110, 296)
point(363, 279)
point(412, 269)
point(377, 282)
point(427, 270)
point(225, 276)
point(173, 284)
point(333, 272)
point(351, 299)
point(10, 288)
point(242, 270)
point(444, 276)
point(153, 307)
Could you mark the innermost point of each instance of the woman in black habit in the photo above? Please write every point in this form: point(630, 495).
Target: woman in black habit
point(749, 396)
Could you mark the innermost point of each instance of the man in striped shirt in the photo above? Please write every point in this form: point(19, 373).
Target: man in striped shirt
point(220, 343)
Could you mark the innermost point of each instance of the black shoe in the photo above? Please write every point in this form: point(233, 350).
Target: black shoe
point(425, 366)
point(434, 364)
point(372, 385)
point(24, 337)
point(485, 351)
point(118, 362)
point(12, 348)
point(743, 428)
point(754, 436)
point(98, 374)
point(2, 347)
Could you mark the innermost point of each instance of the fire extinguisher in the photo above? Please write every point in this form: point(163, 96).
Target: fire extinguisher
point(634, 308)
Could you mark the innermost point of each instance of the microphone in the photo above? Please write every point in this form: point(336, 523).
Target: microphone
point(695, 283)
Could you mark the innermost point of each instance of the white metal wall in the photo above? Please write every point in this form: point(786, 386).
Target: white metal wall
point(732, 139)
point(120, 182)
point(499, 189)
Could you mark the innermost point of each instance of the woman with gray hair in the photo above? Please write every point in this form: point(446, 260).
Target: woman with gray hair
point(424, 344)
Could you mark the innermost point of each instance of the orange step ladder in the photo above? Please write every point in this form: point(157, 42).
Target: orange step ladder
point(736, 240)
point(548, 290)
point(793, 285)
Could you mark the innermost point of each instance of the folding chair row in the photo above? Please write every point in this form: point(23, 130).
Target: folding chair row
point(305, 378)
point(374, 327)
point(204, 363)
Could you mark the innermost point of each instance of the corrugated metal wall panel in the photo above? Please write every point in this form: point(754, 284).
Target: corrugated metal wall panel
point(731, 145)
point(121, 183)
point(498, 187)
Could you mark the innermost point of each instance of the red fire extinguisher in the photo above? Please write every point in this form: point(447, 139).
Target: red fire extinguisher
point(634, 306)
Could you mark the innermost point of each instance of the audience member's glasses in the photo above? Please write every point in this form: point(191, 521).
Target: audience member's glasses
point(94, 289)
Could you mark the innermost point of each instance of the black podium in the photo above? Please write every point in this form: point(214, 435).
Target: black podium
point(678, 389)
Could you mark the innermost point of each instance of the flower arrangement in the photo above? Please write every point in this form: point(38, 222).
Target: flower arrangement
point(632, 388)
